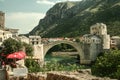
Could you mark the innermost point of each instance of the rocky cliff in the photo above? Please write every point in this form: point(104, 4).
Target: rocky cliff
point(71, 19)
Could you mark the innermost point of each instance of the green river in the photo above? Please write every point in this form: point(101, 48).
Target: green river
point(63, 59)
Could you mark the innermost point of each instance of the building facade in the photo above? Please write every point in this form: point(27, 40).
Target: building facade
point(35, 40)
point(2, 20)
point(97, 41)
point(24, 39)
point(13, 31)
point(100, 29)
point(92, 45)
point(4, 35)
point(115, 42)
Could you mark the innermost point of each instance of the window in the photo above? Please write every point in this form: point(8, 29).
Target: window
point(97, 32)
point(113, 41)
point(103, 27)
point(99, 27)
point(36, 42)
point(3, 33)
point(88, 41)
point(0, 39)
point(33, 43)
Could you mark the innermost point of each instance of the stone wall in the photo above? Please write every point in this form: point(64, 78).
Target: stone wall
point(53, 76)
point(31, 76)
point(84, 74)
point(2, 20)
point(3, 74)
point(36, 77)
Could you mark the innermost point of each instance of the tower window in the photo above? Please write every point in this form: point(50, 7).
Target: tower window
point(0, 39)
point(103, 27)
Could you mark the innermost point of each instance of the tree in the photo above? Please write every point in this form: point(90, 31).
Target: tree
point(28, 49)
point(108, 65)
point(11, 45)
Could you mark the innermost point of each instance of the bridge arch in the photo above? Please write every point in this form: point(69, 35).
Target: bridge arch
point(76, 45)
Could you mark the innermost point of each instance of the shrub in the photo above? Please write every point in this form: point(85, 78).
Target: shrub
point(32, 65)
point(11, 45)
point(108, 65)
point(28, 49)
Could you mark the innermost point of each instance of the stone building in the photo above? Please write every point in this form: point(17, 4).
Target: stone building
point(92, 46)
point(13, 31)
point(35, 40)
point(2, 20)
point(115, 42)
point(100, 29)
point(4, 35)
point(24, 39)
point(95, 42)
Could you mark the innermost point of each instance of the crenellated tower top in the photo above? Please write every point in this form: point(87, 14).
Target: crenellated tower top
point(98, 29)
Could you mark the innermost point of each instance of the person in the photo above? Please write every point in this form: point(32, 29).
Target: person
point(13, 65)
point(3, 64)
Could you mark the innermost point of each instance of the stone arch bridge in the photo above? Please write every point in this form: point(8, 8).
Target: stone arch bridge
point(41, 50)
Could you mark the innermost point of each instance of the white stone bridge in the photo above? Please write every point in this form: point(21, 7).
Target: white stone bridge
point(85, 55)
point(92, 44)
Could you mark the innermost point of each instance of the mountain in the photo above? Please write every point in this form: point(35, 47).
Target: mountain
point(72, 19)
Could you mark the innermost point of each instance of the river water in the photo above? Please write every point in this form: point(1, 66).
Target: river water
point(63, 59)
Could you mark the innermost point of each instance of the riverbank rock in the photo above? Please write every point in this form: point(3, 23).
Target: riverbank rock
point(36, 76)
point(84, 74)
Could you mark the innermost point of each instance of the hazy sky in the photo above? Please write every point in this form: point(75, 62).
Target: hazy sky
point(25, 14)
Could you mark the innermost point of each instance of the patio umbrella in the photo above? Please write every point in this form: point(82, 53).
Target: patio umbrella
point(17, 55)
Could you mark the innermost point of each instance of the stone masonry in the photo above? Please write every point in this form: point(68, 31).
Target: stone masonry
point(2, 20)
point(90, 46)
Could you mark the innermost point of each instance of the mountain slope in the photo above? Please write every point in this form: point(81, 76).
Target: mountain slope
point(71, 19)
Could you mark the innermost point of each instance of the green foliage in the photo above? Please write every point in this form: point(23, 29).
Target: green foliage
point(11, 45)
point(33, 66)
point(79, 18)
point(28, 49)
point(77, 40)
point(55, 66)
point(108, 65)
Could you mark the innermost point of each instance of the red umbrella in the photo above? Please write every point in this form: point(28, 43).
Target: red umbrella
point(17, 55)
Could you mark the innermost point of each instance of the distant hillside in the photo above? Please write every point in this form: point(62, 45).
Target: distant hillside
point(71, 19)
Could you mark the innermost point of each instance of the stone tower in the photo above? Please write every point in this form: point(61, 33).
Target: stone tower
point(92, 46)
point(2, 20)
point(100, 29)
